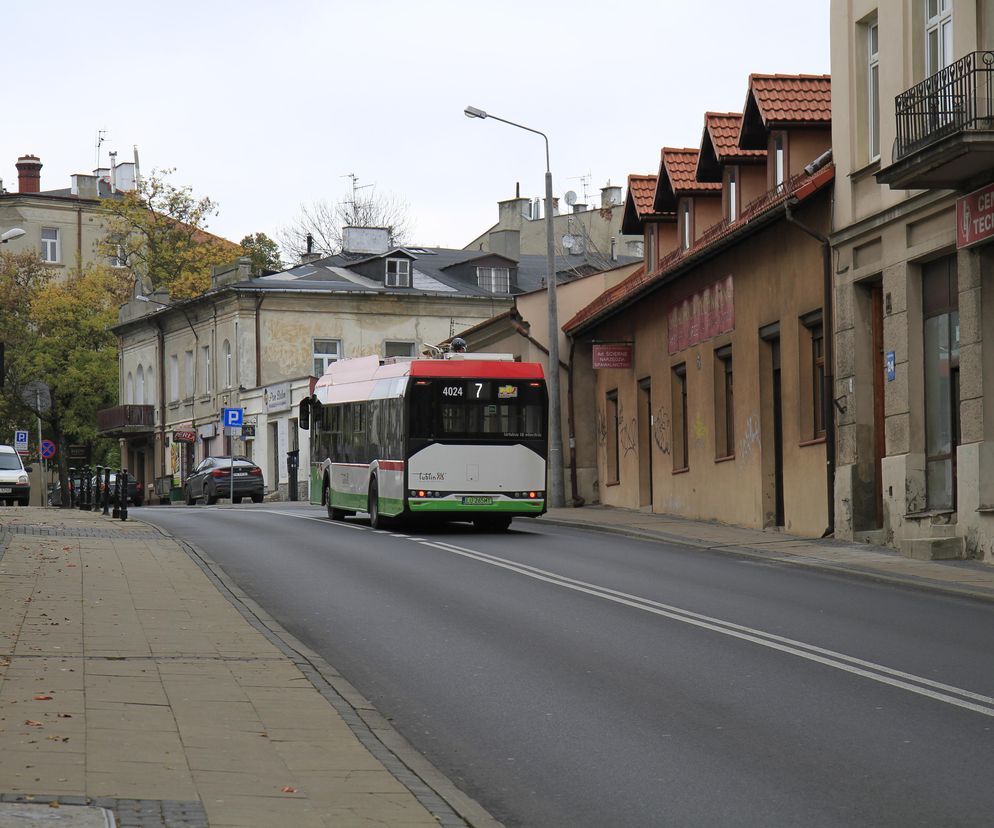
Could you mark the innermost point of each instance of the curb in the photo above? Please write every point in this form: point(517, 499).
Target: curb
point(915, 582)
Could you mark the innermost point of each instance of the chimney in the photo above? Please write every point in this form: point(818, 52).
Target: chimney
point(610, 195)
point(29, 174)
point(113, 172)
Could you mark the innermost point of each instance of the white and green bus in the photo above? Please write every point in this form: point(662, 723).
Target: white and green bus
point(462, 437)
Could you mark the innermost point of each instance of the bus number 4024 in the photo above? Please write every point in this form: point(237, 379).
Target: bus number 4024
point(452, 391)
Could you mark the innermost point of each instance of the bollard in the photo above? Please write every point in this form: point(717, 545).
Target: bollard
point(124, 494)
point(106, 497)
point(98, 478)
point(72, 493)
point(84, 486)
point(116, 497)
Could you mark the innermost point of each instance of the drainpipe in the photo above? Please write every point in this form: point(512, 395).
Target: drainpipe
point(577, 500)
point(161, 344)
point(79, 241)
point(828, 388)
point(258, 342)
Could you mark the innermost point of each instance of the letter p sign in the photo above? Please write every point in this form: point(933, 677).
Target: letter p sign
point(232, 418)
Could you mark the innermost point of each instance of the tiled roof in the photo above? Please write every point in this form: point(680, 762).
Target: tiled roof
point(681, 169)
point(723, 130)
point(642, 188)
point(797, 188)
point(793, 98)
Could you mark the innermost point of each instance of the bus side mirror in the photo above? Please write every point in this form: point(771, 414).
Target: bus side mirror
point(304, 414)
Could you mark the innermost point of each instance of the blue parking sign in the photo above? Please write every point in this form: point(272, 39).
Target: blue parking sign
point(232, 417)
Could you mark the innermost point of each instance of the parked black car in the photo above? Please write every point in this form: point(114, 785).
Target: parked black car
point(55, 494)
point(211, 480)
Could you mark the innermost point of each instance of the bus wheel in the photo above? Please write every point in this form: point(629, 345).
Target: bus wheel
point(333, 513)
point(492, 523)
point(376, 520)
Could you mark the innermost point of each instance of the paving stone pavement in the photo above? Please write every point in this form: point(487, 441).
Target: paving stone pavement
point(134, 677)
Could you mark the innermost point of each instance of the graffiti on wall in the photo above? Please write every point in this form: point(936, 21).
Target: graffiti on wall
point(628, 431)
point(661, 430)
point(750, 437)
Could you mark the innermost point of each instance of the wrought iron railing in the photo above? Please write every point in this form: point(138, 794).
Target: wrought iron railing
point(125, 418)
point(955, 99)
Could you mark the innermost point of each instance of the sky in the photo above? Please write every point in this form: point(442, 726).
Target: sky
point(268, 106)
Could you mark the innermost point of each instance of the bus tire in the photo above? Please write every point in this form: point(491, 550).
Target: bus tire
point(376, 520)
point(492, 523)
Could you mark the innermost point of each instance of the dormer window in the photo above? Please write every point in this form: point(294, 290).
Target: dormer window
point(685, 229)
point(494, 279)
point(398, 273)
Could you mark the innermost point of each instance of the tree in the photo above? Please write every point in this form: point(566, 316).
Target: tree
point(58, 339)
point(324, 223)
point(264, 253)
point(159, 233)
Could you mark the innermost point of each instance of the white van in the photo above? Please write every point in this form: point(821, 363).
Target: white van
point(15, 487)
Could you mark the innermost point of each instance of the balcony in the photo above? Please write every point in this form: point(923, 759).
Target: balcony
point(945, 129)
point(122, 420)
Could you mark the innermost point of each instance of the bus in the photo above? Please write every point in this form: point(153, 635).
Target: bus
point(460, 437)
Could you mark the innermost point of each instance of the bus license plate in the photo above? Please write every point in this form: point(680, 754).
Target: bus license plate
point(477, 501)
point(6, 491)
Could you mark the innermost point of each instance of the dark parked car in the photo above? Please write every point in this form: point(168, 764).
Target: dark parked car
point(55, 495)
point(211, 480)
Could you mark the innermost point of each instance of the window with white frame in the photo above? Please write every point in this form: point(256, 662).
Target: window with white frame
point(326, 351)
point(873, 90)
point(779, 161)
point(398, 273)
point(650, 248)
point(50, 247)
point(205, 361)
point(685, 234)
point(938, 35)
point(494, 279)
point(398, 349)
point(226, 356)
point(189, 372)
point(732, 193)
point(173, 377)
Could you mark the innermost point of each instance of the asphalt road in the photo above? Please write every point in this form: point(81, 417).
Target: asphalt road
point(565, 677)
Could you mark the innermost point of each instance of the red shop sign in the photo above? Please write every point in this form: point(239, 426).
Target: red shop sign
point(613, 355)
point(975, 217)
point(184, 436)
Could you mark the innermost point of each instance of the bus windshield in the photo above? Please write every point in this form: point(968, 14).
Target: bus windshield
point(470, 409)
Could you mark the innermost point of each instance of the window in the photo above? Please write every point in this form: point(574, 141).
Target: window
point(679, 398)
point(120, 257)
point(129, 390)
point(650, 248)
point(940, 307)
point(685, 234)
point(140, 386)
point(398, 349)
point(188, 371)
point(205, 361)
point(732, 193)
point(818, 379)
point(50, 248)
point(873, 90)
point(724, 408)
point(811, 356)
point(779, 161)
point(494, 279)
point(173, 377)
point(150, 384)
point(938, 35)
point(326, 351)
point(226, 356)
point(398, 273)
point(611, 425)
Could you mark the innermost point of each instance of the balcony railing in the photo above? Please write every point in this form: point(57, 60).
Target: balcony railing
point(126, 419)
point(955, 99)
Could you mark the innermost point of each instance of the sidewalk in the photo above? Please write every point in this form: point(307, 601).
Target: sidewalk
point(966, 578)
point(135, 678)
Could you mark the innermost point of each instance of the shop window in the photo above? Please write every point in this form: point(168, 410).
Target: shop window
point(724, 408)
point(611, 423)
point(681, 461)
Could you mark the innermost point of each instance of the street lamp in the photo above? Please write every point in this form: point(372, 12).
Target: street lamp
point(556, 495)
point(10, 235)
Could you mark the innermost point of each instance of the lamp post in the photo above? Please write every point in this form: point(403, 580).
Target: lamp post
point(10, 235)
point(555, 495)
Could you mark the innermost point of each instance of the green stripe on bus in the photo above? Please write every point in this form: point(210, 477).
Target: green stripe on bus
point(521, 507)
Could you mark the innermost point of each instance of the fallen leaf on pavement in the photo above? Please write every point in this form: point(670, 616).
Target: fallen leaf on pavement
point(288, 789)
point(42, 698)
point(33, 723)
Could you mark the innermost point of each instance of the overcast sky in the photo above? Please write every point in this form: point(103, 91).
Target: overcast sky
point(264, 106)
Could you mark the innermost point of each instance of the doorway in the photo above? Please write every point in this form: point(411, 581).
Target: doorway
point(878, 363)
point(274, 456)
point(645, 442)
point(771, 398)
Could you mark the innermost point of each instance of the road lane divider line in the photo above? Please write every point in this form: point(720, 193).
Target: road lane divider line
point(866, 669)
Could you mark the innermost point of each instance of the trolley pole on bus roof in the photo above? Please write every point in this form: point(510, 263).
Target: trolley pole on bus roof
point(555, 496)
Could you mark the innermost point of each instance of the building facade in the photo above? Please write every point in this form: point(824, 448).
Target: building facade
point(914, 270)
point(710, 361)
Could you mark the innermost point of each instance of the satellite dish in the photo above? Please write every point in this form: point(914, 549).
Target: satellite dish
point(568, 241)
point(570, 198)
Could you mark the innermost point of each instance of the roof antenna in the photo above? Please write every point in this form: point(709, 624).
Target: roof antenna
point(101, 133)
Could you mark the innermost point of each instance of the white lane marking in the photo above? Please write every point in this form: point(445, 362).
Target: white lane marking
point(830, 658)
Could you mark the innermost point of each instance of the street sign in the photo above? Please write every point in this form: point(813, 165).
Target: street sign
point(79, 451)
point(891, 365)
point(47, 449)
point(232, 431)
point(233, 418)
point(21, 442)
